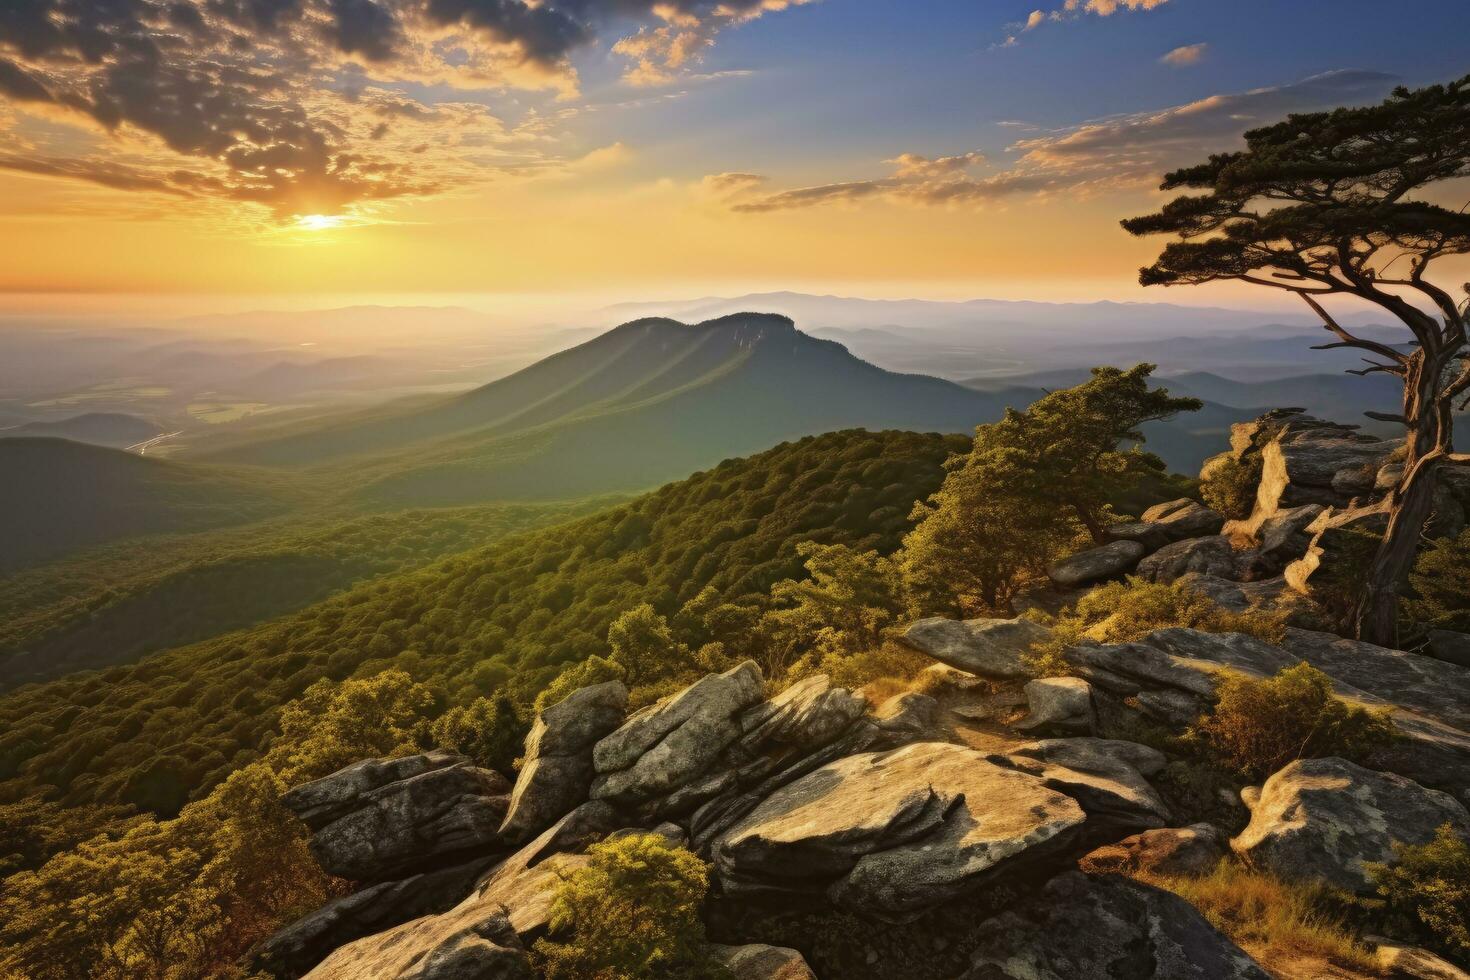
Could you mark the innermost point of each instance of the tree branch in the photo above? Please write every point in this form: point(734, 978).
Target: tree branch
point(1348, 339)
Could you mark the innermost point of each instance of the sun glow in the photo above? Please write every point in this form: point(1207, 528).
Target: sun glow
point(320, 222)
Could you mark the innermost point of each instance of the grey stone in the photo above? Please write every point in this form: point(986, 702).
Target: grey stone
point(296, 948)
point(1206, 556)
point(321, 801)
point(908, 713)
point(1325, 820)
point(1095, 564)
point(761, 962)
point(435, 817)
point(557, 773)
point(807, 714)
point(1106, 776)
point(1105, 926)
point(1058, 702)
point(1284, 531)
point(987, 647)
point(482, 947)
point(675, 741)
point(1192, 850)
point(890, 834)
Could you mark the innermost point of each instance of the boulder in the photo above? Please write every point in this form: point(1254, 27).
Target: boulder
point(1105, 926)
point(1449, 646)
point(296, 948)
point(910, 713)
point(1058, 702)
point(889, 834)
point(1398, 961)
point(1269, 594)
point(1095, 564)
point(1325, 820)
point(557, 773)
point(761, 962)
point(1206, 556)
point(669, 744)
point(1106, 776)
point(1192, 850)
point(986, 647)
point(807, 714)
point(1184, 518)
point(371, 827)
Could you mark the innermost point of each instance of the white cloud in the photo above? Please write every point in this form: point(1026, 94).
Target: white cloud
point(1187, 54)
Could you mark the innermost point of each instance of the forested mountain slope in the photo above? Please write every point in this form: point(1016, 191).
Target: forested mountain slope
point(649, 401)
point(60, 496)
point(112, 604)
point(159, 731)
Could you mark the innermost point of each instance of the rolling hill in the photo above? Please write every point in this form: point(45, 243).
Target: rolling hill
point(649, 401)
point(507, 614)
point(60, 496)
point(115, 429)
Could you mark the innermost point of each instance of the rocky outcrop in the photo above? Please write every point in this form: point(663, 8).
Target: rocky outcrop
point(909, 713)
point(1449, 646)
point(761, 962)
point(1192, 850)
point(667, 745)
point(1105, 926)
point(1325, 820)
point(892, 833)
point(513, 901)
point(387, 818)
point(1171, 674)
point(558, 771)
point(984, 647)
point(483, 947)
point(1096, 564)
point(1063, 703)
point(304, 943)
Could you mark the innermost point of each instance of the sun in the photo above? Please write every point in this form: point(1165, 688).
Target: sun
point(320, 222)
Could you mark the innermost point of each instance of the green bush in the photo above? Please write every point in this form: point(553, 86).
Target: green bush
point(488, 730)
point(593, 670)
point(1230, 486)
point(1441, 584)
point(632, 912)
point(1122, 612)
point(1430, 884)
point(1258, 726)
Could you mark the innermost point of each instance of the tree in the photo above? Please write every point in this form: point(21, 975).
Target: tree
point(844, 606)
point(1074, 437)
point(1329, 205)
point(988, 531)
point(645, 646)
point(488, 730)
point(995, 521)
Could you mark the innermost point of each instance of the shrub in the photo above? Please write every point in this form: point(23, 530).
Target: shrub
point(1230, 486)
point(631, 912)
point(1430, 885)
point(1273, 920)
point(1121, 612)
point(488, 730)
point(1441, 584)
point(1258, 726)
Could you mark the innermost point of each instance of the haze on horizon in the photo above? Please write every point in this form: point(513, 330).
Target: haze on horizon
point(195, 157)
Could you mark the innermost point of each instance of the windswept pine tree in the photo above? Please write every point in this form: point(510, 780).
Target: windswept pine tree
point(1343, 204)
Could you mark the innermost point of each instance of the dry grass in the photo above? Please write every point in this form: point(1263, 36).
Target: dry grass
point(1284, 926)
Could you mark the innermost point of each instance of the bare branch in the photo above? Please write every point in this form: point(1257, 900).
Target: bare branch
point(1348, 339)
point(1386, 417)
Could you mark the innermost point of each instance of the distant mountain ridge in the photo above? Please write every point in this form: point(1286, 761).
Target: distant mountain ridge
point(651, 400)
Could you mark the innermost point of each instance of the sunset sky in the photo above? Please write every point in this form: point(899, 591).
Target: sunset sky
point(644, 147)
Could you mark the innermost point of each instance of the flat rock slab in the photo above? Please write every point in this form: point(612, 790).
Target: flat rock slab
point(985, 647)
point(893, 833)
point(1192, 850)
point(1325, 820)
point(1105, 927)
